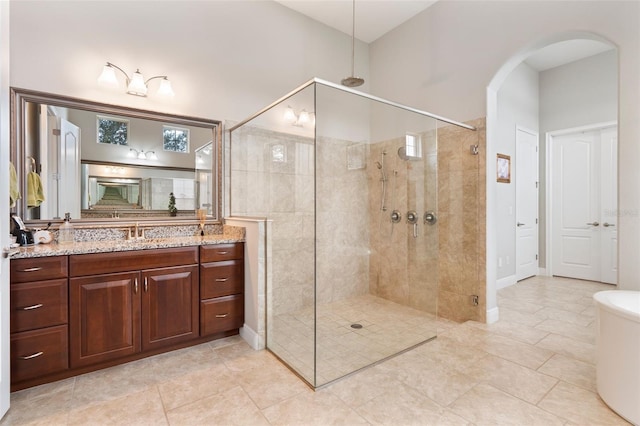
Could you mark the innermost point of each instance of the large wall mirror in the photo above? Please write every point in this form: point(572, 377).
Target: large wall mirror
point(102, 162)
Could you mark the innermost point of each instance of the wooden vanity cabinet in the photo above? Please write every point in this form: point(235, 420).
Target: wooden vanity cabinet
point(221, 288)
point(120, 309)
point(39, 314)
point(79, 313)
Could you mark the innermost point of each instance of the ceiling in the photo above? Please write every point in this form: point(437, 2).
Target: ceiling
point(565, 52)
point(374, 18)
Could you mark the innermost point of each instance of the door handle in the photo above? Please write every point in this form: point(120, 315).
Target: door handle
point(146, 285)
point(135, 286)
point(606, 225)
point(520, 224)
point(594, 224)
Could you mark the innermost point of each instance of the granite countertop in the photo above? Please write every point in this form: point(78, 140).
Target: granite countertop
point(54, 249)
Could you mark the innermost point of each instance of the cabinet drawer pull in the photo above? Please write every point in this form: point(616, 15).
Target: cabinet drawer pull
point(36, 355)
point(34, 269)
point(221, 280)
point(222, 315)
point(28, 308)
point(223, 252)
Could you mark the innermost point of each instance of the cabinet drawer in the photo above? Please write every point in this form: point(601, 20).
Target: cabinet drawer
point(221, 314)
point(221, 279)
point(134, 260)
point(39, 352)
point(38, 304)
point(218, 252)
point(38, 269)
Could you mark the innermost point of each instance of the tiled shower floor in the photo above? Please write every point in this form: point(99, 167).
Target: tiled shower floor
point(387, 329)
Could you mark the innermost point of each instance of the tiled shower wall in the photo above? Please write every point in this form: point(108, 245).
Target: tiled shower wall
point(273, 177)
point(403, 266)
point(461, 222)
point(444, 266)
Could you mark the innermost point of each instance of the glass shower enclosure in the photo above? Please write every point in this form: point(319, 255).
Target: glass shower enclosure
point(348, 183)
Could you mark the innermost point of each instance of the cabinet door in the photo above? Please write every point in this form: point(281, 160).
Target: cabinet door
point(104, 317)
point(169, 306)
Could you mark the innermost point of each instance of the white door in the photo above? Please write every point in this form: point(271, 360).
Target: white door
point(526, 180)
point(609, 204)
point(4, 207)
point(69, 170)
point(580, 175)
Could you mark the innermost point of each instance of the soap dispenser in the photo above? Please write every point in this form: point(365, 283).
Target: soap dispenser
point(66, 233)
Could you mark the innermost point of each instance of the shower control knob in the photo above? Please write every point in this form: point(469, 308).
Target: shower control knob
point(430, 218)
point(412, 217)
point(396, 216)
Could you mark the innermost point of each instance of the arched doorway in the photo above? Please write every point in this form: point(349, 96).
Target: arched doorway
point(501, 216)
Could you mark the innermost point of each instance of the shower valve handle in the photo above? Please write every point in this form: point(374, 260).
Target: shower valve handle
point(412, 217)
point(430, 218)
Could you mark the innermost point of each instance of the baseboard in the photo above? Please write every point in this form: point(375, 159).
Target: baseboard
point(505, 282)
point(493, 315)
point(251, 337)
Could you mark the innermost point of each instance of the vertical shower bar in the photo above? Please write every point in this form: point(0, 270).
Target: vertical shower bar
point(383, 179)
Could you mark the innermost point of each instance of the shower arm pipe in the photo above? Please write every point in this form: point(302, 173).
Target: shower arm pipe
point(355, 92)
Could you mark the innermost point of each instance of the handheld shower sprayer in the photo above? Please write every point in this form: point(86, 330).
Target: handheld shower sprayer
point(383, 179)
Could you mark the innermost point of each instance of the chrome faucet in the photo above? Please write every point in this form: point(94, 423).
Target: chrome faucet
point(137, 234)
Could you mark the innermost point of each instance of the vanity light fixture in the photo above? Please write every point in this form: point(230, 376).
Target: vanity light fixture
point(141, 155)
point(136, 84)
point(299, 120)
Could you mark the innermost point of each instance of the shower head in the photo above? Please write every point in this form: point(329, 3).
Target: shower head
point(352, 81)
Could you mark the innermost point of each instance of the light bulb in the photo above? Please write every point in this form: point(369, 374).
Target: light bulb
point(289, 115)
point(165, 88)
point(304, 117)
point(108, 77)
point(151, 155)
point(142, 156)
point(136, 85)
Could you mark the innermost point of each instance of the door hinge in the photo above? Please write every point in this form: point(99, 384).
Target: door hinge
point(56, 132)
point(536, 257)
point(536, 185)
point(536, 220)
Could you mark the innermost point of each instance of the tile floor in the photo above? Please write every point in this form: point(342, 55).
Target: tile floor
point(533, 367)
point(388, 328)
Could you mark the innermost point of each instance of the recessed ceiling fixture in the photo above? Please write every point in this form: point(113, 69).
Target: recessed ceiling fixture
point(136, 84)
point(353, 81)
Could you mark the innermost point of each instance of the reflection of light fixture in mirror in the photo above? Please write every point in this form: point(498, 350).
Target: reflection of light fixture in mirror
point(115, 170)
point(141, 155)
point(299, 120)
point(136, 84)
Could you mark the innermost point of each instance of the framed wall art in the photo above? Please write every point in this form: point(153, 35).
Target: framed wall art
point(503, 168)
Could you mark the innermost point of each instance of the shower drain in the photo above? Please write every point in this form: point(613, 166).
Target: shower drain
point(357, 326)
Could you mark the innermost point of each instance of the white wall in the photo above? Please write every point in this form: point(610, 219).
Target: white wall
point(4, 208)
point(225, 59)
point(443, 59)
point(577, 94)
point(517, 106)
